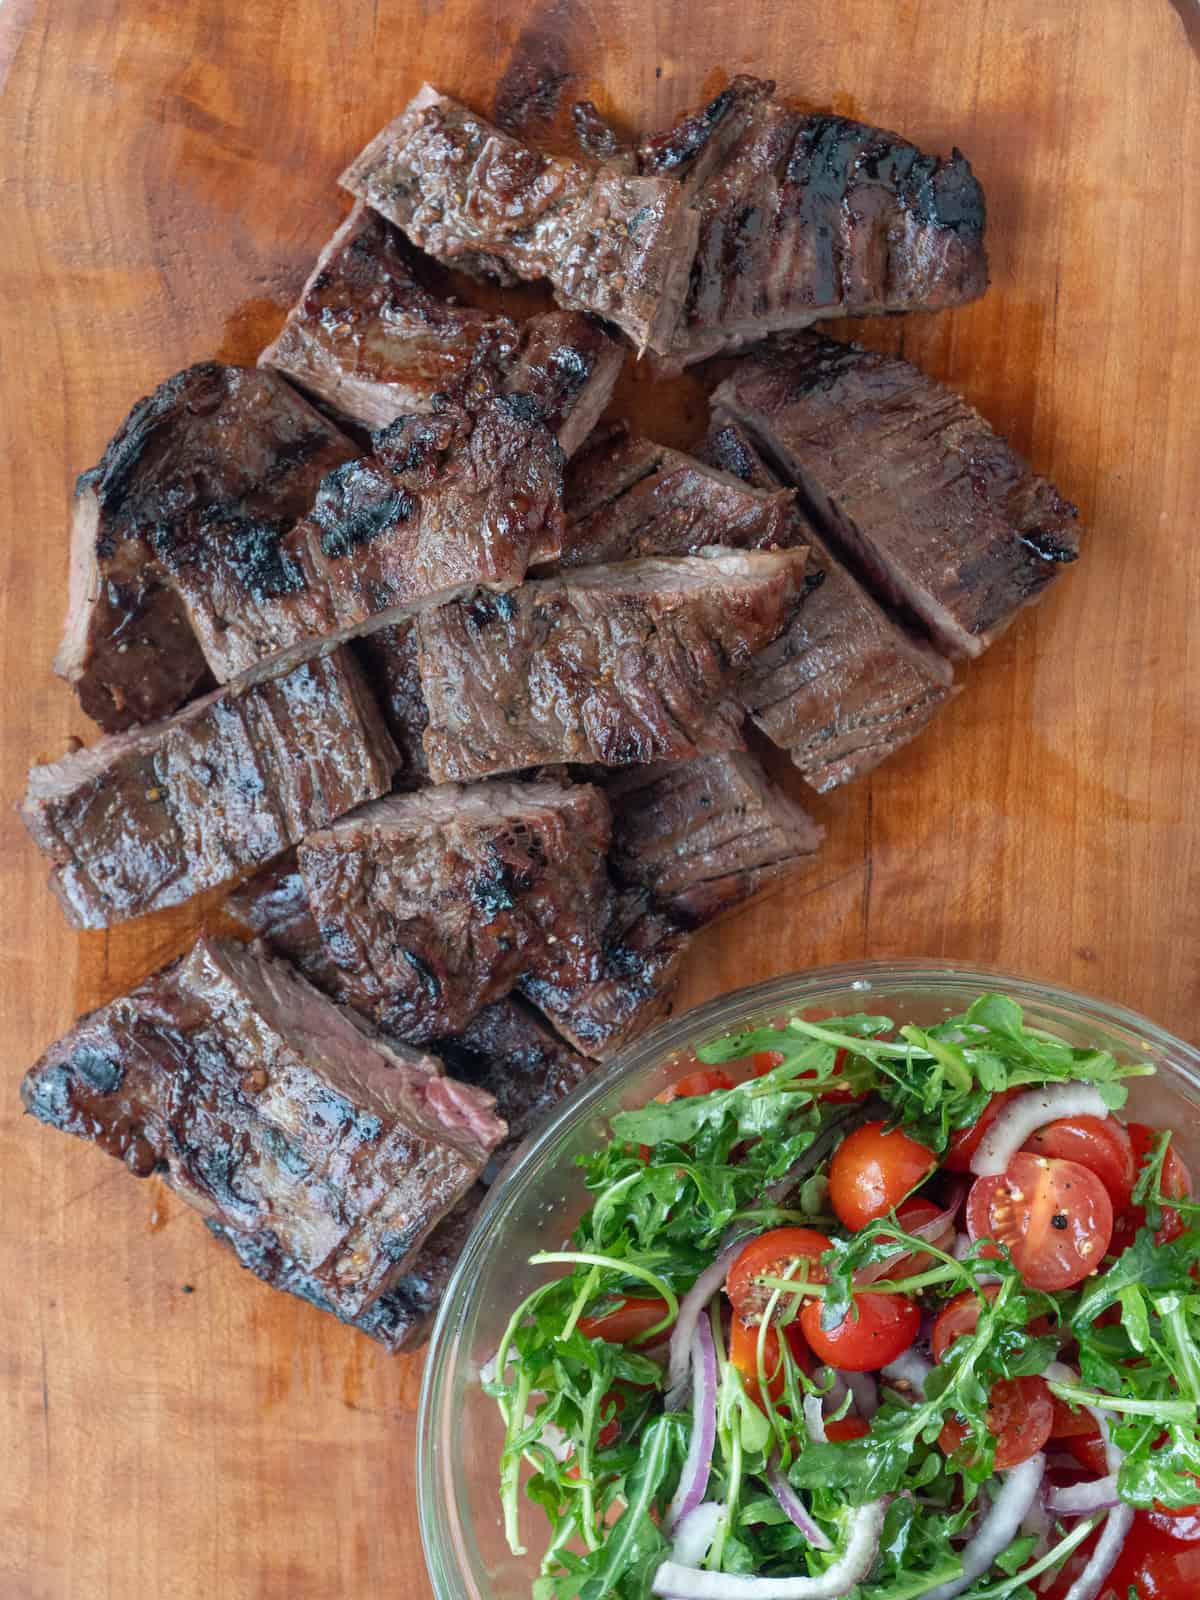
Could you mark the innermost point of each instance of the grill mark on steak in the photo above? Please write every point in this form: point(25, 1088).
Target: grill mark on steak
point(216, 453)
point(148, 818)
point(401, 1319)
point(472, 196)
point(621, 664)
point(432, 905)
point(704, 836)
point(809, 217)
point(444, 503)
point(568, 363)
point(368, 339)
point(625, 497)
point(266, 1106)
point(936, 512)
point(845, 685)
point(638, 969)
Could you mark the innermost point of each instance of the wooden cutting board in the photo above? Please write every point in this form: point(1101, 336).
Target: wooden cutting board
point(169, 1425)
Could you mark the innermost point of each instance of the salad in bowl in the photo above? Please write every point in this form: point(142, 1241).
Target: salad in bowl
point(863, 1306)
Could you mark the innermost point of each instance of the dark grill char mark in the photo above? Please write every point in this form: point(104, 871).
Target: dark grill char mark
point(625, 496)
point(367, 338)
point(568, 364)
point(472, 196)
point(638, 962)
point(935, 511)
point(804, 218)
point(616, 665)
point(444, 503)
point(704, 836)
point(266, 1107)
point(845, 686)
point(432, 905)
point(218, 460)
point(148, 818)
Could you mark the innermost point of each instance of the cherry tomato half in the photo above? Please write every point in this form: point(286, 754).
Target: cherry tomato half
point(1154, 1563)
point(1020, 1415)
point(1176, 1182)
point(1100, 1144)
point(958, 1317)
point(877, 1329)
point(633, 1317)
point(764, 1061)
point(872, 1171)
point(743, 1352)
point(1070, 1424)
point(847, 1428)
point(1054, 1216)
point(772, 1255)
point(966, 1141)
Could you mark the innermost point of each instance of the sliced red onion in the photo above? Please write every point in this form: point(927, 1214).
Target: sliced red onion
point(691, 1306)
point(1104, 1556)
point(693, 1481)
point(814, 1420)
point(865, 1391)
point(998, 1529)
point(938, 1230)
point(1081, 1499)
point(1025, 1115)
point(792, 1506)
point(910, 1368)
point(696, 1533)
point(851, 1567)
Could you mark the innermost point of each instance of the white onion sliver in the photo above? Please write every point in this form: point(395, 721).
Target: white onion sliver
point(793, 1507)
point(696, 1533)
point(693, 1481)
point(1025, 1115)
point(1080, 1499)
point(851, 1567)
point(865, 1391)
point(910, 1368)
point(814, 1420)
point(1103, 1558)
point(998, 1529)
point(690, 1307)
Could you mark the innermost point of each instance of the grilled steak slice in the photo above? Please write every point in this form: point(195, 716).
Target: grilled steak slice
point(620, 664)
point(367, 338)
point(809, 217)
point(443, 504)
point(508, 1051)
point(702, 836)
point(433, 904)
point(639, 960)
point(911, 486)
point(598, 139)
point(273, 906)
point(845, 685)
point(147, 818)
point(625, 496)
point(389, 659)
point(472, 196)
point(568, 362)
point(216, 454)
point(401, 1319)
point(266, 1106)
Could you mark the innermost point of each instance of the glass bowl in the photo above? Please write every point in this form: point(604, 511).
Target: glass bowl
point(540, 1196)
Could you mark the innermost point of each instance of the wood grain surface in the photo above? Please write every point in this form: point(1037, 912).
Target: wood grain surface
point(168, 1425)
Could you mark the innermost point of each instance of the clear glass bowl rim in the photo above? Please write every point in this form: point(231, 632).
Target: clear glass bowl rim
point(950, 981)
